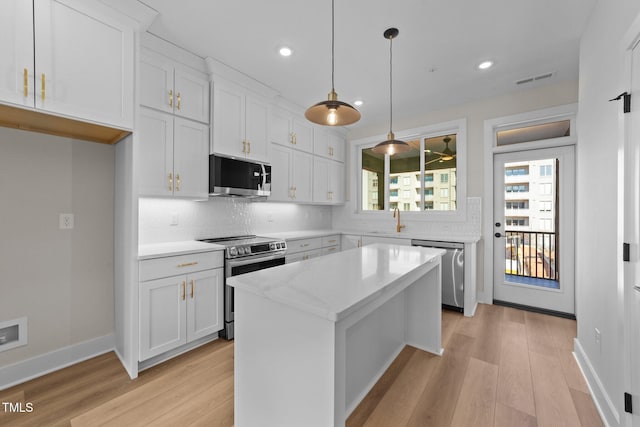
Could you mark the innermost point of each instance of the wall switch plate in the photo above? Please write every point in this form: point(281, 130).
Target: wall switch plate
point(598, 337)
point(66, 221)
point(174, 218)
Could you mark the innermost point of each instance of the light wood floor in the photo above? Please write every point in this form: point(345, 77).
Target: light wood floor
point(503, 367)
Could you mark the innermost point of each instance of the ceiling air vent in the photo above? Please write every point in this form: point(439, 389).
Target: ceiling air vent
point(534, 78)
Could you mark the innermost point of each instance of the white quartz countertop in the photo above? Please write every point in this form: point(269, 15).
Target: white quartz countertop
point(304, 234)
point(157, 250)
point(336, 285)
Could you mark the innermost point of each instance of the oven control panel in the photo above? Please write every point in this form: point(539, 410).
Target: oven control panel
point(255, 249)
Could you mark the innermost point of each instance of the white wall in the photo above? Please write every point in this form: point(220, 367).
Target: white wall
point(62, 280)
point(560, 93)
point(598, 269)
point(222, 216)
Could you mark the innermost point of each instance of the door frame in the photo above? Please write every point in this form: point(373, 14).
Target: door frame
point(491, 127)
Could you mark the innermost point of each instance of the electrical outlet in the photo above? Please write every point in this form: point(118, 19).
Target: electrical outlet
point(174, 218)
point(597, 337)
point(66, 221)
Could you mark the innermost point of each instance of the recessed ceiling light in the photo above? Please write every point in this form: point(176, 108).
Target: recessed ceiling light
point(358, 103)
point(484, 65)
point(285, 51)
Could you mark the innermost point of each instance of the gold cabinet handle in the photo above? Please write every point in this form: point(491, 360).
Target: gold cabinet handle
point(170, 182)
point(332, 241)
point(305, 257)
point(187, 264)
point(192, 288)
point(294, 138)
point(248, 147)
point(43, 92)
point(25, 75)
point(305, 245)
point(177, 182)
point(184, 290)
point(244, 146)
point(171, 98)
point(331, 151)
point(179, 101)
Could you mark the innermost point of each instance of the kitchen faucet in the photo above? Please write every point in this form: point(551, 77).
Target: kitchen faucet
point(398, 227)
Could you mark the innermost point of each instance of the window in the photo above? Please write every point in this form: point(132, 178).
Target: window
point(407, 206)
point(517, 188)
point(393, 205)
point(545, 170)
point(517, 171)
point(545, 206)
point(546, 224)
point(425, 169)
point(374, 183)
point(545, 189)
point(537, 132)
point(517, 204)
point(372, 172)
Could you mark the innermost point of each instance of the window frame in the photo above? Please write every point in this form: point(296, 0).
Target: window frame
point(459, 127)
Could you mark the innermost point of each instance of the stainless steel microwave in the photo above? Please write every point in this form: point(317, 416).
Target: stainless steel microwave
point(240, 178)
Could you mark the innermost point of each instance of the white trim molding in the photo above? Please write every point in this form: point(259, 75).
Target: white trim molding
point(37, 366)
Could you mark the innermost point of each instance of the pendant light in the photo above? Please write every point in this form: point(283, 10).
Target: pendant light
point(391, 146)
point(332, 112)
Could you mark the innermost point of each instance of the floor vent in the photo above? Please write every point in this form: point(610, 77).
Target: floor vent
point(535, 78)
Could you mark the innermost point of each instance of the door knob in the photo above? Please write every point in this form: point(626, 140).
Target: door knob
point(498, 235)
point(498, 224)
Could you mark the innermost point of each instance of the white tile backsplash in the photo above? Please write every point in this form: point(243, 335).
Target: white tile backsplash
point(223, 216)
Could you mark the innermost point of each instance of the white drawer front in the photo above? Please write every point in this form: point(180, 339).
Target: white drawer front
point(182, 264)
point(295, 246)
point(330, 240)
point(330, 249)
point(302, 256)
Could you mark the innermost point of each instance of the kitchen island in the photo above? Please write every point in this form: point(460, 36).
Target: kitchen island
point(313, 337)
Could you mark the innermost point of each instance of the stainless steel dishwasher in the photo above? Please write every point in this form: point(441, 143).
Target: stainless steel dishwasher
point(452, 272)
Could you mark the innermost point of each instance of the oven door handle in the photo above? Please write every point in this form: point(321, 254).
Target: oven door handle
point(254, 259)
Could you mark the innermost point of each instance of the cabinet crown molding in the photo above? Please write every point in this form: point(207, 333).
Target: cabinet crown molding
point(218, 69)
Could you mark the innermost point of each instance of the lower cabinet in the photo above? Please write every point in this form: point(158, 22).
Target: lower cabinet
point(179, 309)
point(304, 249)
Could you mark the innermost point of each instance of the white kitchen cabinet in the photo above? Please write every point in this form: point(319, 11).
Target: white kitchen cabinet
point(328, 181)
point(173, 156)
point(292, 175)
point(350, 241)
point(240, 123)
point(173, 88)
point(307, 248)
point(182, 308)
point(330, 145)
point(70, 58)
point(291, 131)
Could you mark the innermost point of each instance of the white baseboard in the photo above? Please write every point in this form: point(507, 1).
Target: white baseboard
point(37, 366)
point(608, 412)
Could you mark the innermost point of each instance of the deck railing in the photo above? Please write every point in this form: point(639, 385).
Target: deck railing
point(531, 254)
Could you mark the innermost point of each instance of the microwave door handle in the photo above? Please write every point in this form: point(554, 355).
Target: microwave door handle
point(263, 176)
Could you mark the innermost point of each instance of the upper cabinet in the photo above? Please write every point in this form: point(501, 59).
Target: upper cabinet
point(173, 88)
point(330, 145)
point(290, 130)
point(240, 122)
point(68, 58)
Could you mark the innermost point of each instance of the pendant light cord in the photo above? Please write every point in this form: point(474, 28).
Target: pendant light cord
point(333, 36)
point(390, 84)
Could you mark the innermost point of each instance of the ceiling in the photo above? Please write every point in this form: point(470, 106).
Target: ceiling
point(435, 56)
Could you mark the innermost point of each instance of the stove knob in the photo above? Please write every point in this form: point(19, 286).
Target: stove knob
point(277, 245)
point(272, 246)
point(233, 251)
point(240, 250)
point(247, 250)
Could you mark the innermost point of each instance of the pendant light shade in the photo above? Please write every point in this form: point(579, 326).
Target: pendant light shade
point(391, 146)
point(332, 112)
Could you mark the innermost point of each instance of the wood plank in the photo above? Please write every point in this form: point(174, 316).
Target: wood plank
point(589, 416)
point(538, 335)
point(398, 403)
point(563, 331)
point(477, 399)
point(359, 415)
point(515, 388)
point(513, 315)
point(438, 400)
point(450, 320)
point(554, 405)
point(509, 417)
point(488, 337)
point(572, 374)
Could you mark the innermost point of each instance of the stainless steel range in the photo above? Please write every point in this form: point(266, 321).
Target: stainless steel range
point(244, 254)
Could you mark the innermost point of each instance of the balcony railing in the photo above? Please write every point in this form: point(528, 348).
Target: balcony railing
point(531, 254)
